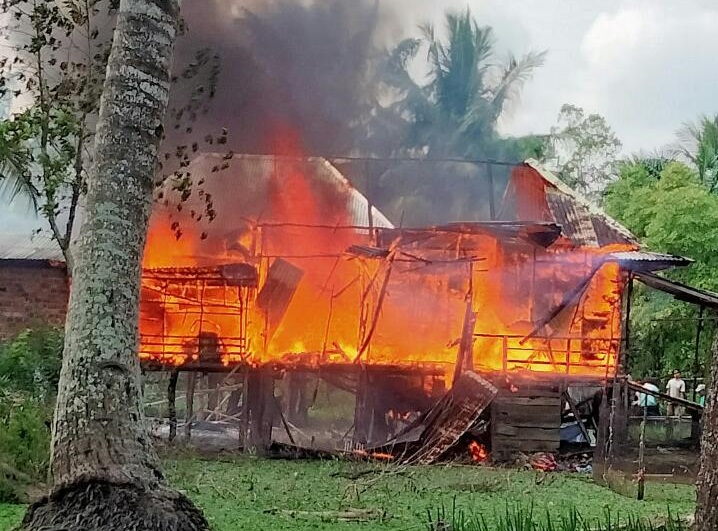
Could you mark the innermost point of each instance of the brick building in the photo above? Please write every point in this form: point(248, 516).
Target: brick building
point(34, 286)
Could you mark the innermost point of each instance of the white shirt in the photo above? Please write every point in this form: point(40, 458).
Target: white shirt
point(676, 388)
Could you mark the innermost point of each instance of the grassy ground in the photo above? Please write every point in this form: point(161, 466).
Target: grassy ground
point(10, 515)
point(247, 493)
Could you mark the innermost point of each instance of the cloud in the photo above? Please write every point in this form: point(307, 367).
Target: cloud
point(649, 66)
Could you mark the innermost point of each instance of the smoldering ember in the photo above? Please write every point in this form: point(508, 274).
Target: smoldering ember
point(350, 295)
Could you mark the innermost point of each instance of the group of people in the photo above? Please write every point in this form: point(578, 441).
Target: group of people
point(675, 388)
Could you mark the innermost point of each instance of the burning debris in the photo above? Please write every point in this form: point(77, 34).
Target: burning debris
point(479, 452)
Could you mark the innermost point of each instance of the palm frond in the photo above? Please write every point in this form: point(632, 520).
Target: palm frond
point(15, 181)
point(515, 73)
point(698, 143)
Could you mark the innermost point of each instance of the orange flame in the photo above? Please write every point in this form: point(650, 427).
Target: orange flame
point(288, 208)
point(479, 452)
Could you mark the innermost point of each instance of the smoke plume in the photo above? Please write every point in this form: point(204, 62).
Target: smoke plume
point(304, 66)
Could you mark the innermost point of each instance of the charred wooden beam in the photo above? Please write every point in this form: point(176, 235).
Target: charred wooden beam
point(572, 296)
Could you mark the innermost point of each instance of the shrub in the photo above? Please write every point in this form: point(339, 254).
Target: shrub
point(24, 444)
point(29, 374)
point(31, 363)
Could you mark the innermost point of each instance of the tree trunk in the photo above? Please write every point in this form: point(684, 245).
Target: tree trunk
point(105, 473)
point(707, 508)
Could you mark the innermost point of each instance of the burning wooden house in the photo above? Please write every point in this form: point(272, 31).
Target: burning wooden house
point(298, 273)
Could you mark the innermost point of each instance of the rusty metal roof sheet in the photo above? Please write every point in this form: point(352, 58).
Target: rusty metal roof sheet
point(574, 218)
point(25, 247)
point(580, 217)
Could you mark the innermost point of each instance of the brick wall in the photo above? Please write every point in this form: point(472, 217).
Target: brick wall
point(32, 293)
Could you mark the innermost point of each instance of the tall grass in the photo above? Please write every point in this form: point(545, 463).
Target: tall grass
point(525, 518)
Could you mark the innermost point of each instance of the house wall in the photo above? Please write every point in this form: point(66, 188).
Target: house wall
point(32, 293)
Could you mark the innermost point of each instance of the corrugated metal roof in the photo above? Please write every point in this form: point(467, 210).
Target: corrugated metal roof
point(606, 230)
point(574, 218)
point(25, 247)
point(358, 204)
point(648, 261)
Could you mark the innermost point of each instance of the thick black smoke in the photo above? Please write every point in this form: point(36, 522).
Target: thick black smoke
point(287, 66)
point(309, 77)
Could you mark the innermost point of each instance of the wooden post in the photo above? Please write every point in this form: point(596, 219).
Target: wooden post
point(191, 382)
point(623, 362)
point(362, 409)
point(600, 455)
point(490, 181)
point(244, 425)
point(641, 457)
point(369, 201)
point(464, 358)
point(172, 404)
point(260, 408)
point(505, 353)
point(696, 358)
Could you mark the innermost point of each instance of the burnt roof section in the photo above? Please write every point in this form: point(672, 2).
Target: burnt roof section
point(681, 292)
point(582, 221)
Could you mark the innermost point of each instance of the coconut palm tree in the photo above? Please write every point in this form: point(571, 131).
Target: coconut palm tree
point(698, 142)
point(455, 114)
point(451, 115)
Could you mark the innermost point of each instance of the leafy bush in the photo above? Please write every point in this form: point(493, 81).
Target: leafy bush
point(29, 374)
point(24, 444)
point(522, 518)
point(31, 363)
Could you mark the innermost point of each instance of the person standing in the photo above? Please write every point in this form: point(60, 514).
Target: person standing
point(676, 388)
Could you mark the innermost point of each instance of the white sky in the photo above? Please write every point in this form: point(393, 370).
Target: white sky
point(646, 65)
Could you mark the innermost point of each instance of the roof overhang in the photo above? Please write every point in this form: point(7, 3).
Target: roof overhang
point(647, 261)
point(681, 292)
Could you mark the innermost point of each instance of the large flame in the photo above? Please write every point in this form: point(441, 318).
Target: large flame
point(404, 306)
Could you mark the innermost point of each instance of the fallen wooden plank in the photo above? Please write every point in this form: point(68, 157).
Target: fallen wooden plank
point(452, 416)
point(347, 515)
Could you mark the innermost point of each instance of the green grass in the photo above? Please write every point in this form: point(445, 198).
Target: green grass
point(10, 515)
point(248, 493)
